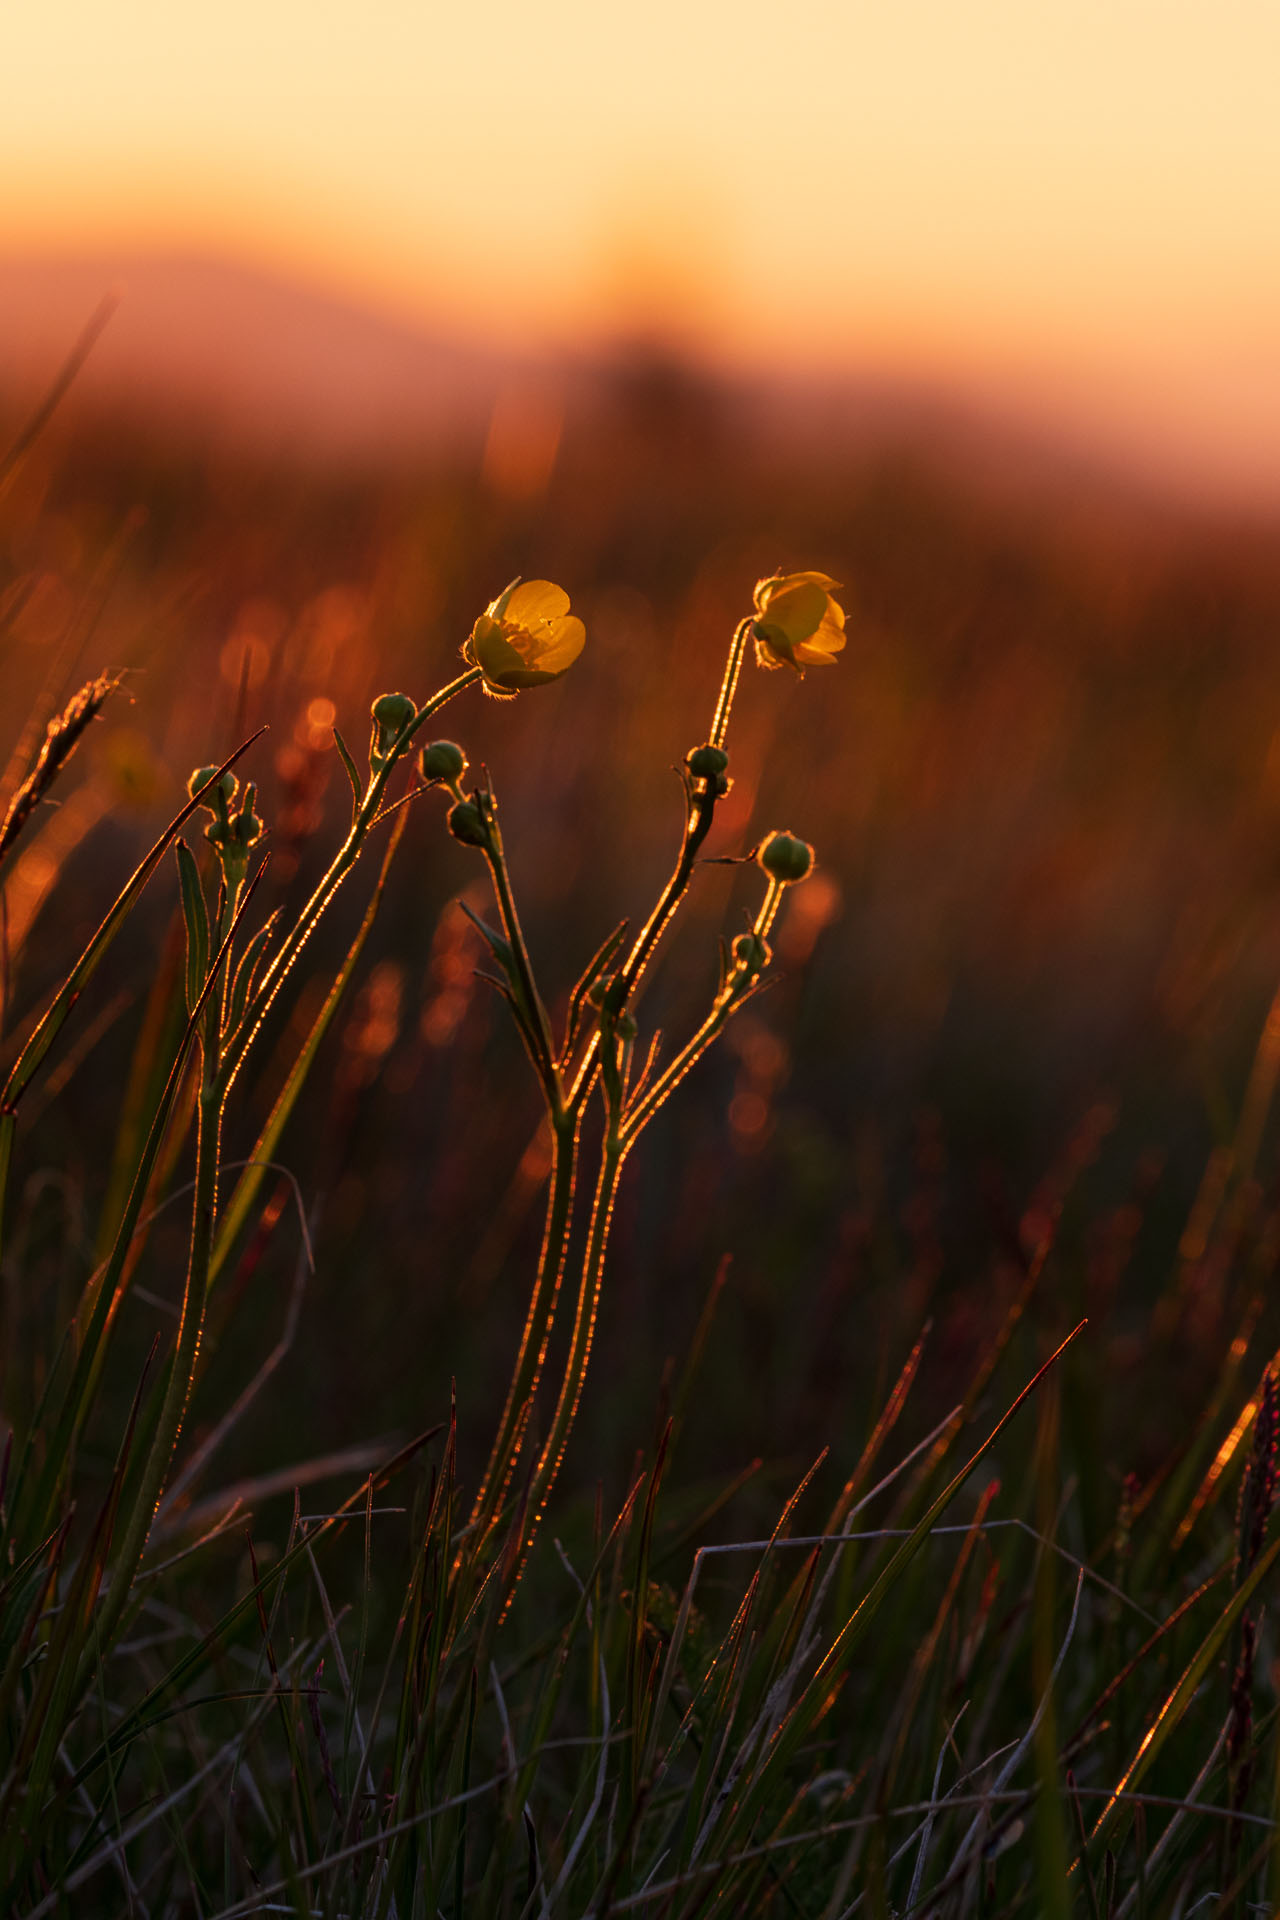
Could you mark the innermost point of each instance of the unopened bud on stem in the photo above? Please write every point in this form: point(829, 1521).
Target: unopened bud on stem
point(392, 713)
point(467, 823)
point(752, 954)
point(443, 760)
point(710, 764)
point(785, 857)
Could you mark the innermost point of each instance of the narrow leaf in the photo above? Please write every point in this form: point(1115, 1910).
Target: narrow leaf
point(242, 983)
point(357, 790)
point(497, 944)
point(196, 916)
point(604, 953)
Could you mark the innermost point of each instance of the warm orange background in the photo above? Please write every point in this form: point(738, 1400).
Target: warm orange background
point(1073, 203)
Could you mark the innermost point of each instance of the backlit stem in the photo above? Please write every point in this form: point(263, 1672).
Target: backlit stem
point(532, 1356)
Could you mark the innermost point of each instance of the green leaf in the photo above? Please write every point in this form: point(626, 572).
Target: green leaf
point(242, 984)
point(357, 790)
point(596, 965)
point(498, 946)
point(196, 916)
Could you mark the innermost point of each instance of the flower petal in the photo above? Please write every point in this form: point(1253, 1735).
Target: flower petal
point(534, 601)
point(493, 653)
point(773, 649)
point(563, 645)
point(799, 608)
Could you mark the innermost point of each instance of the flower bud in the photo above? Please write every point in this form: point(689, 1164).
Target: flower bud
point(443, 760)
point(710, 764)
point(785, 857)
point(467, 823)
point(392, 713)
point(216, 798)
point(752, 953)
point(704, 763)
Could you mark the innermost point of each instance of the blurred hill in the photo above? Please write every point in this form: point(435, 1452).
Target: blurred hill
point(232, 355)
point(227, 350)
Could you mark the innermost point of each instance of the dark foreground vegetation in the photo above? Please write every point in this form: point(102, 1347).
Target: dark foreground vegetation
point(795, 1622)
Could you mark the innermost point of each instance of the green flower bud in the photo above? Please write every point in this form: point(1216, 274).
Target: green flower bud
point(392, 713)
point(752, 953)
point(216, 798)
point(467, 823)
point(710, 764)
point(704, 763)
point(625, 1027)
point(443, 760)
point(394, 710)
point(785, 857)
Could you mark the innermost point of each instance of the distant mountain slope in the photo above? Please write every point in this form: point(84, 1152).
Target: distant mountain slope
point(239, 354)
point(235, 351)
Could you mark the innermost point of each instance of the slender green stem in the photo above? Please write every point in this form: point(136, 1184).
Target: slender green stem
point(532, 1356)
point(274, 975)
point(729, 685)
point(441, 698)
point(584, 1324)
point(730, 997)
point(699, 815)
point(769, 907)
point(496, 860)
point(689, 1055)
point(698, 818)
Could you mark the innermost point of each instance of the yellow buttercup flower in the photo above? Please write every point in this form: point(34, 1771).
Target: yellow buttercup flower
point(525, 637)
point(797, 622)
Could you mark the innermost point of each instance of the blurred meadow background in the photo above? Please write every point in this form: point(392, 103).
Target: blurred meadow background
point(975, 308)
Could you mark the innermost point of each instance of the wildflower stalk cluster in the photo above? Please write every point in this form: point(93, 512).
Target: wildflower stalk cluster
point(233, 976)
point(596, 1054)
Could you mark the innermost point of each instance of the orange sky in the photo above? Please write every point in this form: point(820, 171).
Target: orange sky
point(1078, 198)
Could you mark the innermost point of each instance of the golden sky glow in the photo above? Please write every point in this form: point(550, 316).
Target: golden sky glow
point(1014, 191)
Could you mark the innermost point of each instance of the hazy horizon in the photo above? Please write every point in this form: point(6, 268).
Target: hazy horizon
point(1057, 212)
point(250, 351)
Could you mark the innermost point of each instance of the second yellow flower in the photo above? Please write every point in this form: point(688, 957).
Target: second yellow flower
point(525, 637)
